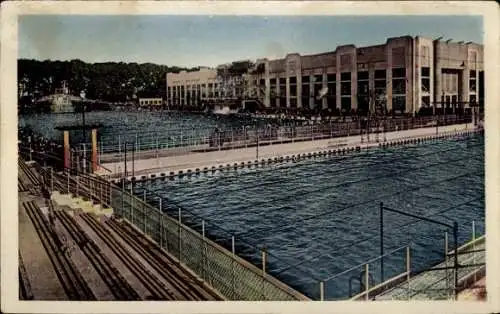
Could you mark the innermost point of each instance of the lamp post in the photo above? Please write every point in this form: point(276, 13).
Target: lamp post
point(82, 95)
point(454, 227)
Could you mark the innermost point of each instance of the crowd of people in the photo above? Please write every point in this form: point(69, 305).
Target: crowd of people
point(32, 146)
point(268, 132)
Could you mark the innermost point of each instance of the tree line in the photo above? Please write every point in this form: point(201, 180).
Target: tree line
point(108, 81)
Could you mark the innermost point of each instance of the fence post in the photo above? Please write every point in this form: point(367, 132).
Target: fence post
point(110, 195)
point(367, 281)
point(203, 252)
point(132, 209)
point(264, 255)
point(119, 144)
point(233, 280)
point(408, 270)
point(455, 260)
point(136, 142)
point(161, 224)
point(180, 237)
point(446, 250)
point(101, 187)
point(77, 187)
point(144, 218)
point(474, 247)
point(123, 199)
point(322, 290)
point(264, 262)
point(232, 138)
point(157, 152)
point(51, 179)
point(245, 135)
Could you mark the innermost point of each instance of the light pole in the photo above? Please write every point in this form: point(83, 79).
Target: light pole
point(82, 95)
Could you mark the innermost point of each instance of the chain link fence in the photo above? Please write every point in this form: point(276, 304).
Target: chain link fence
point(229, 274)
point(234, 277)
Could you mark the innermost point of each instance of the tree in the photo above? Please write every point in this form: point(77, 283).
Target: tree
point(108, 81)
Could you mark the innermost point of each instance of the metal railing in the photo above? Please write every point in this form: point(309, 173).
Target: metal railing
point(79, 185)
point(184, 242)
point(231, 275)
point(364, 279)
point(78, 159)
point(171, 142)
point(437, 282)
point(239, 249)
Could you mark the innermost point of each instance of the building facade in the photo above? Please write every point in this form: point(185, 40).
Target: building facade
point(404, 75)
point(226, 82)
point(189, 88)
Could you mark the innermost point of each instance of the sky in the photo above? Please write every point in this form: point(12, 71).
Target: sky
point(209, 41)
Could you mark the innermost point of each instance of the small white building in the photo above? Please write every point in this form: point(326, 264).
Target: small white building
point(147, 102)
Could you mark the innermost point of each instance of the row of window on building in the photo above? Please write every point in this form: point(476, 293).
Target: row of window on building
point(312, 85)
point(150, 101)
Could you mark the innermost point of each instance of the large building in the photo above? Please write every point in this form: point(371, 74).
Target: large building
point(189, 88)
point(404, 75)
point(226, 82)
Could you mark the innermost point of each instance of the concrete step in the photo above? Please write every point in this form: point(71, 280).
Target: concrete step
point(77, 203)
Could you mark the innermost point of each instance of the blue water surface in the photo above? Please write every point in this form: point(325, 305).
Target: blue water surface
point(317, 218)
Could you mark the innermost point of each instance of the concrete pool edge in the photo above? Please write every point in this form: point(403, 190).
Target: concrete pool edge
point(342, 148)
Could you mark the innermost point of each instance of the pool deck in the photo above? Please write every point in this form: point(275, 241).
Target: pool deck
point(173, 164)
point(432, 284)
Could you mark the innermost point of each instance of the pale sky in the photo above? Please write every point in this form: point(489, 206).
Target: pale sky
point(209, 41)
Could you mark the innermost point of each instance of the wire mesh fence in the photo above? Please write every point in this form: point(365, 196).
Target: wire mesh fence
point(384, 272)
point(214, 254)
point(231, 275)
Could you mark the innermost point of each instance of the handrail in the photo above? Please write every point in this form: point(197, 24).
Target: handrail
point(378, 286)
point(466, 245)
point(312, 130)
point(364, 263)
point(280, 285)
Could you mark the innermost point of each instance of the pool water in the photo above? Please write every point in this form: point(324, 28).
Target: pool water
point(119, 127)
point(317, 218)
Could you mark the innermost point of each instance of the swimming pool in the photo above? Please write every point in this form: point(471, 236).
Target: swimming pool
point(317, 218)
